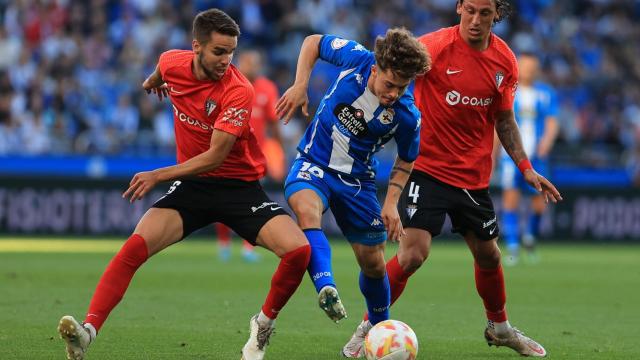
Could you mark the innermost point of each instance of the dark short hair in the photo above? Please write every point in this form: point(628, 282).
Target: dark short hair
point(503, 7)
point(213, 20)
point(401, 53)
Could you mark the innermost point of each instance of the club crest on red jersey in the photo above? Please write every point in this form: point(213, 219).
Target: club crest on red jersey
point(499, 78)
point(209, 106)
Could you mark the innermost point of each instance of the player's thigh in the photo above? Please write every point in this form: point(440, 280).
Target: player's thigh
point(538, 205)
point(474, 212)
point(356, 208)
point(307, 193)
point(414, 248)
point(424, 204)
point(485, 252)
point(250, 212)
point(510, 199)
point(281, 235)
point(159, 228)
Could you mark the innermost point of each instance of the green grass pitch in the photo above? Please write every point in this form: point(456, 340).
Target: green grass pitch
point(580, 302)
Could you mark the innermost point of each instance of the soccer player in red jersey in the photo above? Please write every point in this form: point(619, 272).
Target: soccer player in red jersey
point(264, 123)
point(467, 93)
point(216, 180)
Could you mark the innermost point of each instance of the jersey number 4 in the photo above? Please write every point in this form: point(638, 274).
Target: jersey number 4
point(414, 192)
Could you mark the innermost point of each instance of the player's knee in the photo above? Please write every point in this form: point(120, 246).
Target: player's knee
point(374, 270)
point(413, 262)
point(488, 259)
point(308, 216)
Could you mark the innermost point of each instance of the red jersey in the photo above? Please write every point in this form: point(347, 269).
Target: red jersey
point(199, 106)
point(264, 107)
point(458, 99)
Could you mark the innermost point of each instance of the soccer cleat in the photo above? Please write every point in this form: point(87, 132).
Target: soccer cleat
point(75, 335)
point(224, 253)
point(355, 347)
point(258, 340)
point(250, 256)
point(516, 340)
point(329, 301)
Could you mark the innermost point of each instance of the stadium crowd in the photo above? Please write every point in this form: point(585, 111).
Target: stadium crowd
point(71, 71)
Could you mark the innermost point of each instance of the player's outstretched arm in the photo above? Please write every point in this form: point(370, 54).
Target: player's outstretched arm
point(509, 134)
point(397, 181)
point(296, 95)
point(155, 84)
point(551, 130)
point(221, 144)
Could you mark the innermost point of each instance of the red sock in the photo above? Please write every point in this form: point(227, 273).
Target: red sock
point(224, 234)
point(490, 285)
point(116, 279)
point(247, 246)
point(285, 281)
point(397, 279)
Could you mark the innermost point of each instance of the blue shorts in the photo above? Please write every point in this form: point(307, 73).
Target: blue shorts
point(352, 201)
point(512, 178)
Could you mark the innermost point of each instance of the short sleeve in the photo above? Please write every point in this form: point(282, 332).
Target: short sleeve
point(165, 61)
point(508, 93)
point(236, 110)
point(341, 52)
point(408, 135)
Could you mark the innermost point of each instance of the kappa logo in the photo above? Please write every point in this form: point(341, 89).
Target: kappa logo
point(209, 106)
point(376, 222)
point(338, 43)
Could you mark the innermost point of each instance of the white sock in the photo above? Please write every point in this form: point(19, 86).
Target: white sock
point(92, 331)
point(501, 328)
point(265, 320)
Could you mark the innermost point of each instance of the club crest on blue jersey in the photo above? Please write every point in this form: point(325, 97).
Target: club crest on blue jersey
point(338, 43)
point(209, 106)
point(386, 116)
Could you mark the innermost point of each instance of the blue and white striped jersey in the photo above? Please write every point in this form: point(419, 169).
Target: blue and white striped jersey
point(532, 106)
point(350, 124)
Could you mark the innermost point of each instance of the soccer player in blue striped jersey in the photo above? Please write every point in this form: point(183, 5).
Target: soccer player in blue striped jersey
point(536, 112)
point(368, 104)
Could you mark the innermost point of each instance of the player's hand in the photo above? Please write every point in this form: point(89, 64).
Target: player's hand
point(392, 223)
point(161, 90)
point(542, 185)
point(140, 184)
point(294, 97)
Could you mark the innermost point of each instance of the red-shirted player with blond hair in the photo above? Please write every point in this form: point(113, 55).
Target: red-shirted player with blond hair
point(467, 94)
point(216, 180)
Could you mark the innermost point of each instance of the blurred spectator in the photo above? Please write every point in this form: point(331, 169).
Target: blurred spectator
point(70, 83)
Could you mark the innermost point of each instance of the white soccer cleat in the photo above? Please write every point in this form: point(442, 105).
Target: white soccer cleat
point(516, 340)
point(258, 340)
point(355, 347)
point(329, 301)
point(75, 335)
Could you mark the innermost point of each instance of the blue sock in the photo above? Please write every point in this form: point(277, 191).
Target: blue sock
point(320, 264)
point(510, 230)
point(377, 294)
point(533, 227)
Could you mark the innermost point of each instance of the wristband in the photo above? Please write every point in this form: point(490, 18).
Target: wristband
point(524, 165)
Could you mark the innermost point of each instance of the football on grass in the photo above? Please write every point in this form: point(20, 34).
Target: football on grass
point(391, 340)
